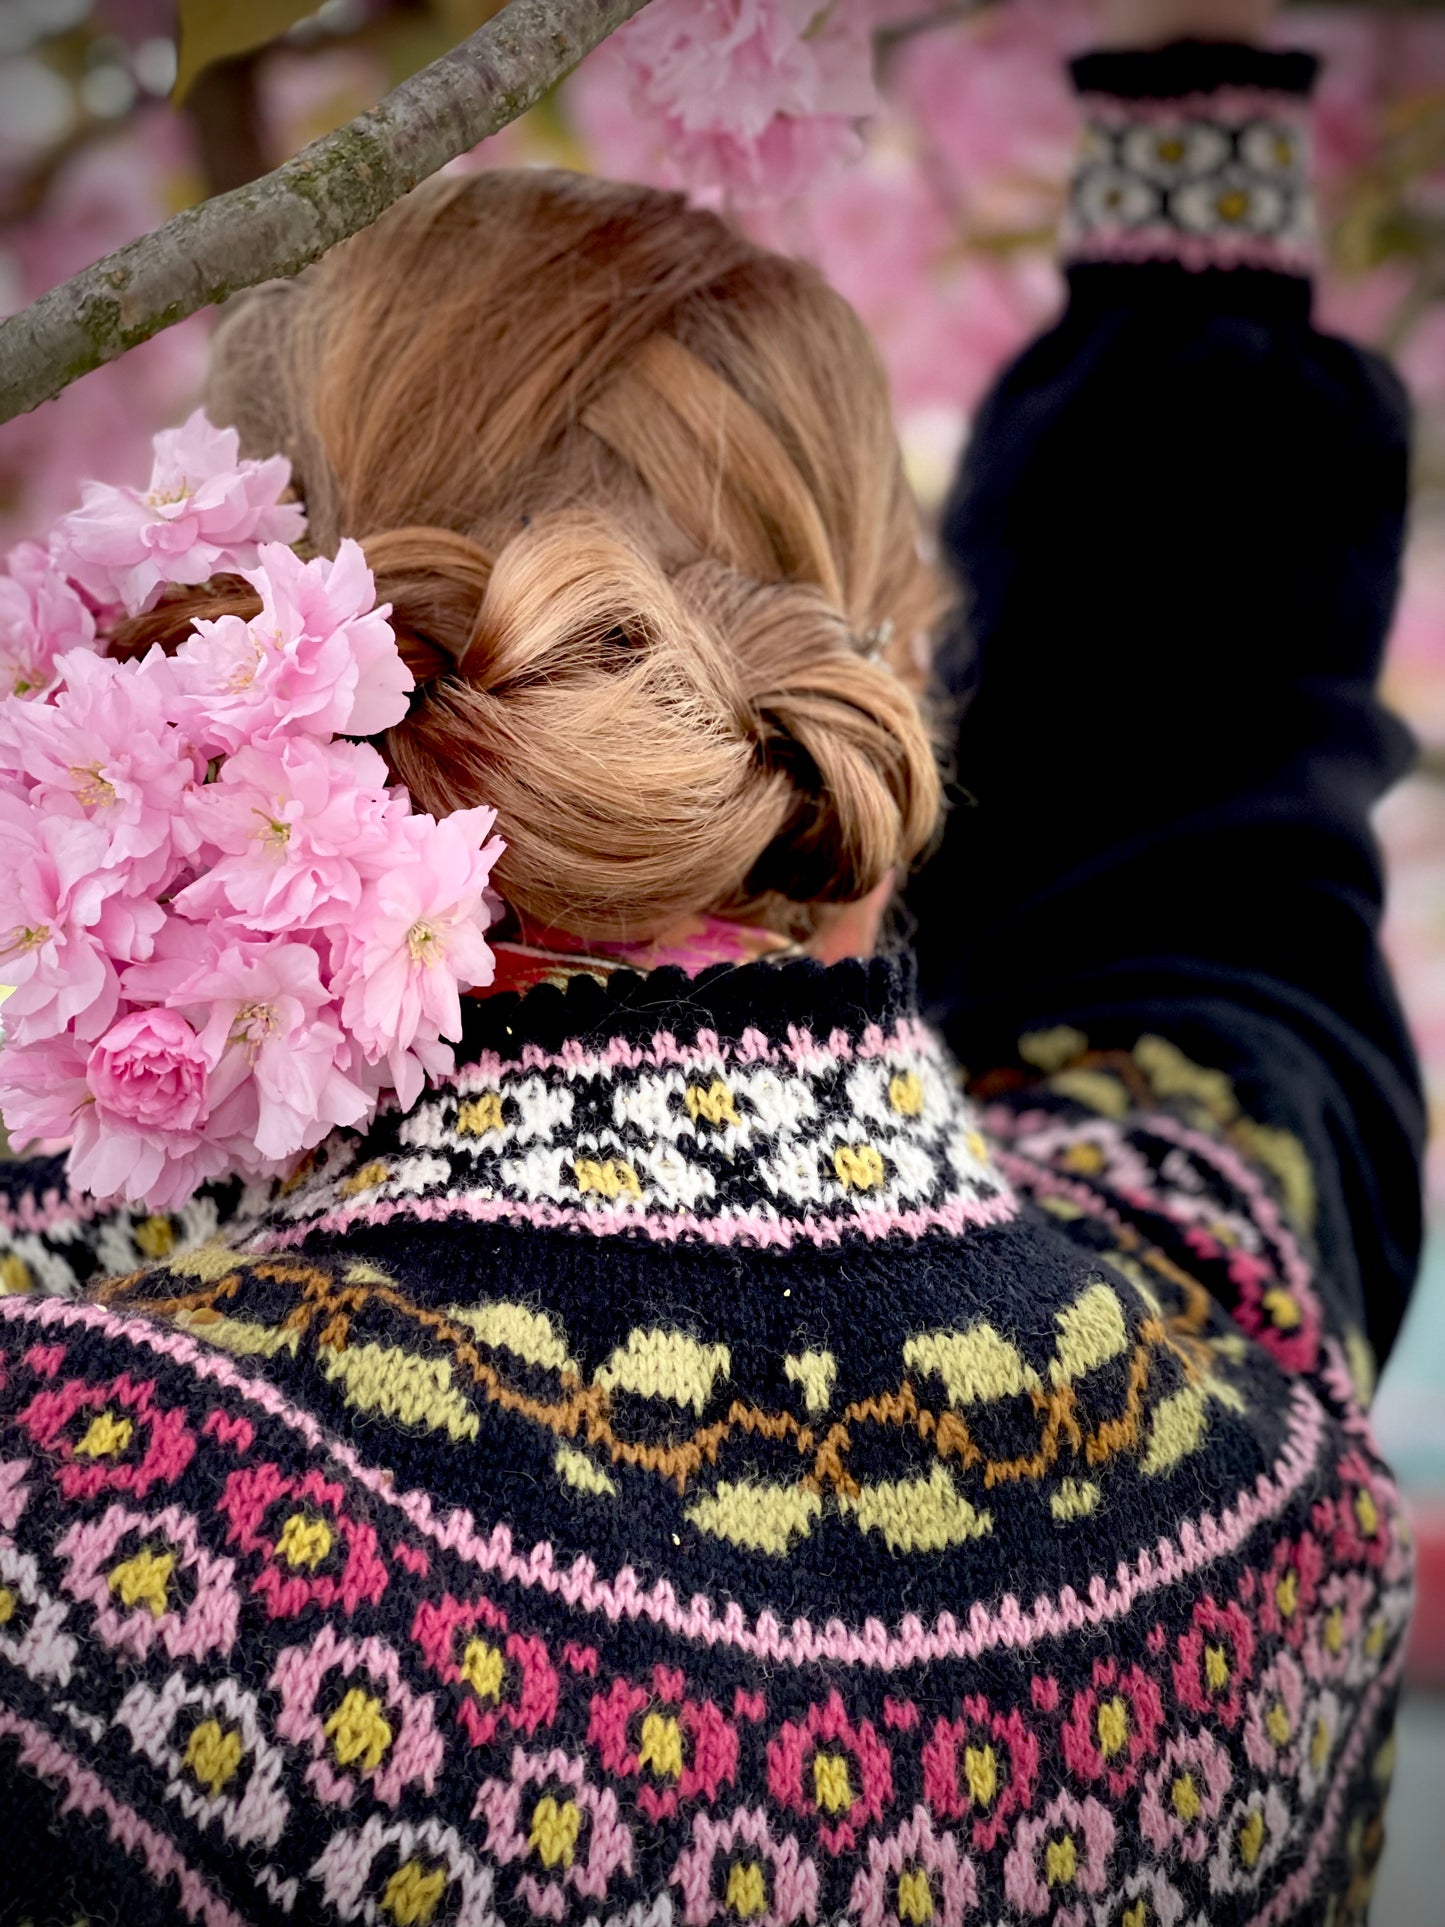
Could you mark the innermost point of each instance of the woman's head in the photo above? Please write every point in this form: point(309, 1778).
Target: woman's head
point(632, 488)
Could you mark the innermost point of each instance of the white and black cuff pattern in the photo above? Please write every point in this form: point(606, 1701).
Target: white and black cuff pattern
point(1209, 175)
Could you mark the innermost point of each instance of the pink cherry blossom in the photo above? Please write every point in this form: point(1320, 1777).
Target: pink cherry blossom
point(41, 617)
point(116, 1158)
point(205, 512)
point(317, 660)
point(149, 1070)
point(760, 96)
point(418, 939)
point(277, 1056)
point(104, 750)
point(42, 1088)
point(54, 897)
point(296, 825)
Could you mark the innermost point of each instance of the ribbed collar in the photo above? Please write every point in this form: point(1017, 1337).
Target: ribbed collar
point(726, 999)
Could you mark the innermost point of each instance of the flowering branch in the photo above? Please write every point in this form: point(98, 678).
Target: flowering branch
point(331, 189)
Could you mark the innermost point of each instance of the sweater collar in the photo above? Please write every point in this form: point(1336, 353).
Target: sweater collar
point(771, 1104)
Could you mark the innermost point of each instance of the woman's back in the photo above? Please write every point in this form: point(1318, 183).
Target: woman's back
point(685, 1470)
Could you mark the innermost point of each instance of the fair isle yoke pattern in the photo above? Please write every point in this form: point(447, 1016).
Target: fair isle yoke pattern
point(759, 1139)
point(428, 1572)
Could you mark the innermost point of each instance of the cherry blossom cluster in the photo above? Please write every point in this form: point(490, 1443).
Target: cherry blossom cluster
point(226, 933)
point(760, 97)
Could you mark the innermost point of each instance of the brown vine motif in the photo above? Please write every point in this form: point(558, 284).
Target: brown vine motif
point(586, 1413)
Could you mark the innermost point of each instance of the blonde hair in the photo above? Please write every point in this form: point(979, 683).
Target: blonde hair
point(632, 488)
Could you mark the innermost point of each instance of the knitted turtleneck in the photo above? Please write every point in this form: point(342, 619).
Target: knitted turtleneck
point(699, 1466)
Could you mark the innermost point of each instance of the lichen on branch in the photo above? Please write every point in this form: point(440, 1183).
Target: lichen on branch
point(276, 225)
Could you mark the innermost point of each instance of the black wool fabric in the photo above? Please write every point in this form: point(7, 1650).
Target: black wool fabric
point(1178, 531)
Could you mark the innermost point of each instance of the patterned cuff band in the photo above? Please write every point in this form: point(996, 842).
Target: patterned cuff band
point(1197, 155)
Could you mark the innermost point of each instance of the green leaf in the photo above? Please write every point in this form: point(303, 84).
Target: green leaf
point(214, 30)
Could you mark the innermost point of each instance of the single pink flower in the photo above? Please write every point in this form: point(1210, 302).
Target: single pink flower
point(206, 511)
point(277, 1057)
point(312, 1680)
point(463, 1641)
point(1035, 1883)
point(149, 1070)
point(201, 1607)
point(703, 1870)
point(602, 1842)
point(42, 1088)
point(418, 940)
point(256, 1504)
point(1215, 1661)
point(838, 1773)
point(54, 897)
point(112, 1157)
point(318, 660)
point(41, 617)
point(289, 831)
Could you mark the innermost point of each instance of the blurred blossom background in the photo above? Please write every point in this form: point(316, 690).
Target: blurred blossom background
point(918, 151)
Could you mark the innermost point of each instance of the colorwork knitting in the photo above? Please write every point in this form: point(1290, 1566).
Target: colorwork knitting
point(841, 1501)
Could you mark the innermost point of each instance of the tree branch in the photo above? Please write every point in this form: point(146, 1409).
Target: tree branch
point(276, 225)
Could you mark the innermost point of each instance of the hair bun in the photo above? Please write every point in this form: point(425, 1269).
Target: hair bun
point(635, 494)
point(435, 581)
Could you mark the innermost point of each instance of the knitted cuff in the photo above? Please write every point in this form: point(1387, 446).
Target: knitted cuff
point(1197, 154)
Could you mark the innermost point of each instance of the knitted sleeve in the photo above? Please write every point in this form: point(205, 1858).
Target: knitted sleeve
point(1178, 526)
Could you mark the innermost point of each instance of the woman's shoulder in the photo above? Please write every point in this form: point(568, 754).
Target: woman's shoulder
point(601, 1567)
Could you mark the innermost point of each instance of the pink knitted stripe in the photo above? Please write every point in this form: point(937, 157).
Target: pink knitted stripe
point(728, 1228)
point(1245, 1177)
point(1232, 106)
point(45, 1756)
point(1199, 1543)
point(1043, 1181)
point(708, 1053)
point(1158, 241)
point(1300, 1887)
point(53, 1207)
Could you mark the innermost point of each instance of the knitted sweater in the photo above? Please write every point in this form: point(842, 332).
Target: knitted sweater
point(699, 1465)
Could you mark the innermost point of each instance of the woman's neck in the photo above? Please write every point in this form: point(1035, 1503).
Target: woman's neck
point(532, 954)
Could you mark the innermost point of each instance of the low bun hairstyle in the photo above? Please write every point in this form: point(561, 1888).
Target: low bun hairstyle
point(631, 486)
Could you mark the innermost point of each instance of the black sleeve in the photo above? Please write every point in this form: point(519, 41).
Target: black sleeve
point(1178, 529)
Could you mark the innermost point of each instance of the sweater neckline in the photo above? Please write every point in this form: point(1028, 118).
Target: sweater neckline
point(726, 998)
point(767, 1104)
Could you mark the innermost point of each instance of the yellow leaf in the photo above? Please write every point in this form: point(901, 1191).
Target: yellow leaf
point(214, 30)
point(764, 1518)
point(976, 1366)
point(666, 1364)
point(918, 1515)
point(401, 1385)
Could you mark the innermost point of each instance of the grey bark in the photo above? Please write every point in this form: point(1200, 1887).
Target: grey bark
point(275, 225)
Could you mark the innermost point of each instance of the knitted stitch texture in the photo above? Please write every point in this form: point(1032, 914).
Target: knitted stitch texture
point(702, 1467)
